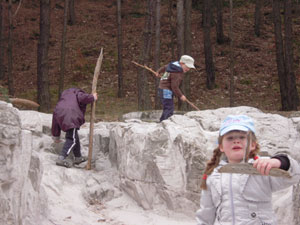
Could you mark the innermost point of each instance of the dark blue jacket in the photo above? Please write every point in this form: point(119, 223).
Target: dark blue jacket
point(70, 109)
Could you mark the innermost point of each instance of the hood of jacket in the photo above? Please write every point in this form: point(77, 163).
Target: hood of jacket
point(174, 67)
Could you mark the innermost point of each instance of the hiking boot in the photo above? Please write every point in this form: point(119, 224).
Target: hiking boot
point(79, 160)
point(64, 162)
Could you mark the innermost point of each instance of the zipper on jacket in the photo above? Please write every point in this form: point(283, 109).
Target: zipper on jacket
point(231, 200)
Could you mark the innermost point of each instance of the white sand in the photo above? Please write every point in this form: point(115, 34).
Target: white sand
point(68, 207)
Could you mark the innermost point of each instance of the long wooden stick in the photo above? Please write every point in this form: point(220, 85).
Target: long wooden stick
point(195, 107)
point(94, 86)
point(146, 67)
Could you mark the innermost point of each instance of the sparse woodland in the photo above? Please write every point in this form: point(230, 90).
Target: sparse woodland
point(246, 52)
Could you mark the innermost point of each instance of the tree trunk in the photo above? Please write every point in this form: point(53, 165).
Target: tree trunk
point(72, 17)
point(293, 98)
point(143, 87)
point(219, 25)
point(257, 22)
point(231, 80)
point(11, 90)
point(279, 52)
point(157, 52)
point(180, 28)
point(180, 43)
point(63, 50)
point(172, 29)
point(120, 50)
point(284, 57)
point(187, 27)
point(187, 50)
point(42, 57)
point(209, 64)
point(1, 42)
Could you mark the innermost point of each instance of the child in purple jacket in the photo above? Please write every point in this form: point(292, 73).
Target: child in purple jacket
point(68, 116)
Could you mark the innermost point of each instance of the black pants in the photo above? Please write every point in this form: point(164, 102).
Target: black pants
point(72, 143)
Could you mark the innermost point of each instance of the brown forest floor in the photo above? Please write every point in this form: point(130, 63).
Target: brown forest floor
point(256, 80)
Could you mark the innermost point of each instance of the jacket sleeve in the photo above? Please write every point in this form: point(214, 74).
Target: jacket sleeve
point(162, 69)
point(207, 213)
point(55, 129)
point(176, 79)
point(278, 183)
point(84, 98)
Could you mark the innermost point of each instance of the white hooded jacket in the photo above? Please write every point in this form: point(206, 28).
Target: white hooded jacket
point(241, 199)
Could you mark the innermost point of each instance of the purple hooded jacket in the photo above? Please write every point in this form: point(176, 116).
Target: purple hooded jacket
point(70, 109)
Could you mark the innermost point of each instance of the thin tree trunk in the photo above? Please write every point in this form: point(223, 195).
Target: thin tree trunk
point(231, 80)
point(257, 22)
point(187, 51)
point(11, 90)
point(72, 17)
point(42, 61)
point(180, 28)
point(1, 41)
point(219, 25)
point(157, 52)
point(279, 53)
point(63, 50)
point(209, 64)
point(120, 50)
point(180, 43)
point(293, 98)
point(187, 27)
point(172, 29)
point(143, 87)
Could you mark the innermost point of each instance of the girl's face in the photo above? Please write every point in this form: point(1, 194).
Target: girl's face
point(234, 145)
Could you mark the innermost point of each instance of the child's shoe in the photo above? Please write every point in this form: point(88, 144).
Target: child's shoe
point(61, 161)
point(80, 159)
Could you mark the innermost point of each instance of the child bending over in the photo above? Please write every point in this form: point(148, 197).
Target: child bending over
point(68, 116)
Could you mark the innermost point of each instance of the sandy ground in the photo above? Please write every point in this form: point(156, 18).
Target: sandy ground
point(67, 206)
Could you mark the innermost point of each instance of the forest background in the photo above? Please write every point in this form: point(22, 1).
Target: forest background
point(247, 63)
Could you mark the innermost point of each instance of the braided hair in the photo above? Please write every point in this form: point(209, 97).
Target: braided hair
point(215, 160)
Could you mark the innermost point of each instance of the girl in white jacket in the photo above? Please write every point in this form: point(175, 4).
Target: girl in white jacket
point(241, 199)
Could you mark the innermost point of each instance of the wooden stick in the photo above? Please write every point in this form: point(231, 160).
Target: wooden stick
point(94, 86)
point(247, 168)
point(146, 67)
point(195, 107)
point(24, 102)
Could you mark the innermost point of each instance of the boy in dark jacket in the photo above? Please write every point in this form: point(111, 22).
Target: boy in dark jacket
point(170, 82)
point(68, 116)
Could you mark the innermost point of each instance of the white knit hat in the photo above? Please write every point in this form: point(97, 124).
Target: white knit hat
point(188, 61)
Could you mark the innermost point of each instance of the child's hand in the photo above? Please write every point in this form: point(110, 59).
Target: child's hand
point(264, 165)
point(56, 139)
point(183, 98)
point(95, 96)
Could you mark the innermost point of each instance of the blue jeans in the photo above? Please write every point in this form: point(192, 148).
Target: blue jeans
point(166, 97)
